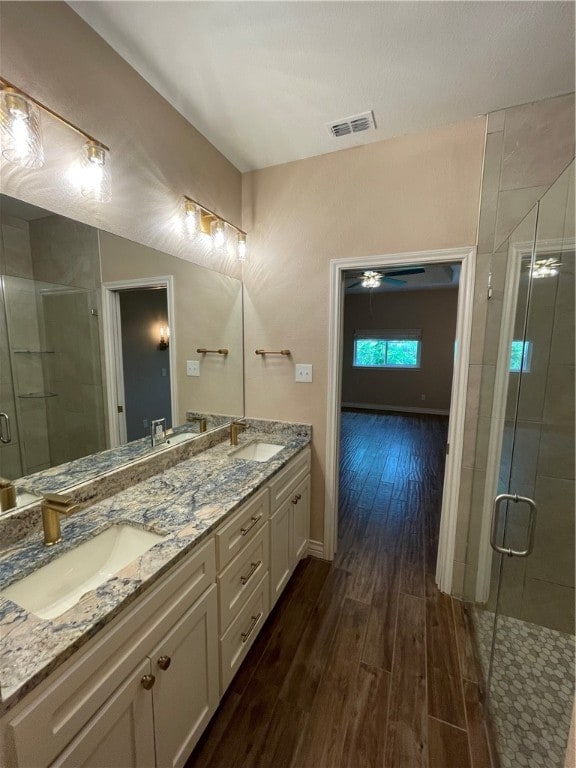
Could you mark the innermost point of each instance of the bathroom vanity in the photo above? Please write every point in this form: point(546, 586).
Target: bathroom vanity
point(132, 672)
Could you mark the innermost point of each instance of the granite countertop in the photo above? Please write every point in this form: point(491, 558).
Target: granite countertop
point(184, 503)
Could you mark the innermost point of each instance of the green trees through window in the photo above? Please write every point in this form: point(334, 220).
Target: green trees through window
point(386, 353)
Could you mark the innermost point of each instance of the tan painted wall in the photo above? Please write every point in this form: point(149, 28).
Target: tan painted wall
point(157, 156)
point(208, 313)
point(412, 193)
point(432, 312)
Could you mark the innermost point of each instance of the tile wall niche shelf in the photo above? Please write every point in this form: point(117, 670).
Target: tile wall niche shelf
point(37, 395)
point(33, 351)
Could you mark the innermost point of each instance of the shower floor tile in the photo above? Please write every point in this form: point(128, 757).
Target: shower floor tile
point(532, 690)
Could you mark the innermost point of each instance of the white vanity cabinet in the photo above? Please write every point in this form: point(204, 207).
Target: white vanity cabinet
point(289, 521)
point(112, 704)
point(141, 692)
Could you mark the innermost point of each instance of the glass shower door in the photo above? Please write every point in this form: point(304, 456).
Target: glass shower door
point(531, 678)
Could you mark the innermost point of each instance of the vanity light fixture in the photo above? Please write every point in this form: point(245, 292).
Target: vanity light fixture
point(21, 131)
point(164, 337)
point(200, 219)
point(241, 246)
point(22, 140)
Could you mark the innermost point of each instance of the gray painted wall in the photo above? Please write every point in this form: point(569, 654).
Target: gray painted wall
point(146, 368)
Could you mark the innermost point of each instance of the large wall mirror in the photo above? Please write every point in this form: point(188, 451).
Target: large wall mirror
point(99, 336)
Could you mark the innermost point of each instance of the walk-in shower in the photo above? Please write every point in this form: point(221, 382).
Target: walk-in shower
point(520, 559)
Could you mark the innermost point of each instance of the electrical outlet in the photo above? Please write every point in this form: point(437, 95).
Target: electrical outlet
point(303, 373)
point(192, 368)
point(422, 397)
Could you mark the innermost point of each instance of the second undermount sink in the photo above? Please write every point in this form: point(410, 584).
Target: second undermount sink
point(256, 450)
point(60, 584)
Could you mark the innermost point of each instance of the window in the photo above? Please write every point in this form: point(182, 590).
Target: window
point(387, 349)
point(520, 356)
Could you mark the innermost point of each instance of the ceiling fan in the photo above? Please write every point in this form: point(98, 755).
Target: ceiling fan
point(372, 279)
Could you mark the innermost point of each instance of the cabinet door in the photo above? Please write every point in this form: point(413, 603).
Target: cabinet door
point(280, 550)
point(301, 520)
point(121, 734)
point(185, 664)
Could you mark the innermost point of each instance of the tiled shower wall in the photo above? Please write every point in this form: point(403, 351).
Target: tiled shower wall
point(527, 148)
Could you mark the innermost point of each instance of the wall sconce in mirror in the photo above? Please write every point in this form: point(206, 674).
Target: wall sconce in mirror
point(200, 219)
point(164, 337)
point(21, 130)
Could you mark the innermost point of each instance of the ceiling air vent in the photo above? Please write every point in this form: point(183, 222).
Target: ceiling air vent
point(349, 125)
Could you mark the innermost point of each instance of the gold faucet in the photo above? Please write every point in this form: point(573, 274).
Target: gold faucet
point(235, 427)
point(54, 505)
point(201, 422)
point(7, 494)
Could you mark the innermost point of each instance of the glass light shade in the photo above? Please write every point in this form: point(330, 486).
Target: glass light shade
point(241, 246)
point(545, 268)
point(193, 214)
point(95, 172)
point(21, 135)
point(218, 233)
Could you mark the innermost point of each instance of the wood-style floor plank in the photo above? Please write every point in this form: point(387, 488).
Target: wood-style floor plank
point(407, 714)
point(448, 746)
point(363, 663)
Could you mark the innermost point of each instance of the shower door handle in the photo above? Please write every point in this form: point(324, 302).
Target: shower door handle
point(5, 433)
point(513, 497)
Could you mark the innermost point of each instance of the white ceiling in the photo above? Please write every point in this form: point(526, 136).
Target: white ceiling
point(261, 79)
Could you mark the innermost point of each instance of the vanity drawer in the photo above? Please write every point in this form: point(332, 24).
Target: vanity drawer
point(240, 635)
point(242, 528)
point(282, 485)
point(238, 580)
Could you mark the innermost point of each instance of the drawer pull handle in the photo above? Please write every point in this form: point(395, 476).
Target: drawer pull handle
point(255, 519)
point(253, 568)
point(147, 682)
point(296, 498)
point(255, 620)
point(164, 662)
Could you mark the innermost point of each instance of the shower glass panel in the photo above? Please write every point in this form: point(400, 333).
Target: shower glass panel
point(54, 351)
point(530, 607)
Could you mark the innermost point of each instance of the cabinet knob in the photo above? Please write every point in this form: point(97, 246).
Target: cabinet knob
point(296, 498)
point(164, 662)
point(147, 682)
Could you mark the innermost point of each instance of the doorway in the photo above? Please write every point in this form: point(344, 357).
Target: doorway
point(139, 347)
point(464, 258)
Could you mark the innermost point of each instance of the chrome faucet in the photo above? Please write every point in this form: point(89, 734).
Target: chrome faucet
point(235, 427)
point(54, 505)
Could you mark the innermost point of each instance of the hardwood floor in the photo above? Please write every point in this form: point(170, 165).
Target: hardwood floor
point(363, 663)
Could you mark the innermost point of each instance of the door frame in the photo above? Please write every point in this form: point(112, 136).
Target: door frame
point(449, 515)
point(113, 347)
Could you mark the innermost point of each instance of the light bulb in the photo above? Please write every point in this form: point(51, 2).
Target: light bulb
point(218, 233)
point(95, 174)
point(192, 217)
point(241, 246)
point(371, 279)
point(21, 135)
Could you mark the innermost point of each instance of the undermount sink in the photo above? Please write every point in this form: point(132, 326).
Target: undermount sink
point(60, 584)
point(256, 450)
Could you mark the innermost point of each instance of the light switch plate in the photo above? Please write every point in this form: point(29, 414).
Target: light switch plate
point(303, 373)
point(192, 367)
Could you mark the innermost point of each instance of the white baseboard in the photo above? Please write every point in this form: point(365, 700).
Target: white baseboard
point(399, 408)
point(316, 548)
